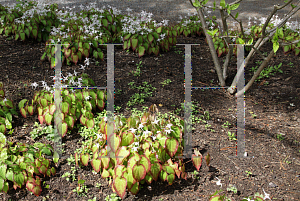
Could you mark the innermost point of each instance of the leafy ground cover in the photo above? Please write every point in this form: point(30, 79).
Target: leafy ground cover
point(271, 119)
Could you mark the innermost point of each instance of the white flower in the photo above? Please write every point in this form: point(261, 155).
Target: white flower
point(43, 83)
point(153, 137)
point(87, 98)
point(99, 136)
point(135, 148)
point(155, 121)
point(267, 196)
point(169, 126)
point(4, 100)
point(132, 130)
point(34, 85)
point(219, 182)
point(141, 126)
point(146, 132)
point(87, 61)
point(168, 131)
point(75, 73)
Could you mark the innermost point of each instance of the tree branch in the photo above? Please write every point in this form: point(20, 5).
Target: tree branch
point(256, 74)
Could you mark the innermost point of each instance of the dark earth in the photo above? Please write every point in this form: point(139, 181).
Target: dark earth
point(272, 108)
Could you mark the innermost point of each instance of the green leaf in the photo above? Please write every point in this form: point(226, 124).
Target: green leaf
point(222, 3)
point(275, 46)
point(197, 161)
point(155, 170)
point(280, 32)
point(241, 41)
point(96, 164)
point(139, 172)
point(234, 6)
point(10, 175)
point(214, 8)
point(1, 184)
point(19, 178)
point(120, 184)
point(196, 4)
point(171, 146)
point(170, 178)
point(236, 15)
point(84, 159)
point(3, 168)
point(22, 103)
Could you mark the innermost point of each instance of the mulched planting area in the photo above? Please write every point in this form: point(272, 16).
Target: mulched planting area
point(271, 109)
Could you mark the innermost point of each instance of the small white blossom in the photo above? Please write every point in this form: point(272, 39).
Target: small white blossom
point(155, 121)
point(34, 85)
point(219, 182)
point(169, 126)
point(87, 98)
point(132, 130)
point(146, 132)
point(266, 196)
point(135, 148)
point(141, 126)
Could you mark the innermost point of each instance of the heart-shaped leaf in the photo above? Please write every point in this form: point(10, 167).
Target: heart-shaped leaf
point(90, 123)
point(155, 170)
point(84, 159)
point(114, 142)
point(37, 190)
point(48, 118)
point(127, 138)
point(23, 112)
point(30, 109)
point(171, 146)
point(68, 52)
point(146, 162)
point(19, 178)
point(41, 119)
point(105, 162)
point(65, 107)
point(139, 172)
point(120, 184)
point(141, 51)
point(135, 188)
point(170, 178)
point(62, 128)
point(134, 43)
point(75, 58)
point(96, 164)
point(70, 121)
point(197, 161)
point(83, 120)
point(122, 154)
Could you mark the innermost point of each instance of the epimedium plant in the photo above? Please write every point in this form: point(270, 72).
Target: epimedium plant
point(141, 149)
point(141, 35)
point(7, 109)
point(75, 105)
point(24, 164)
point(81, 38)
point(37, 27)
